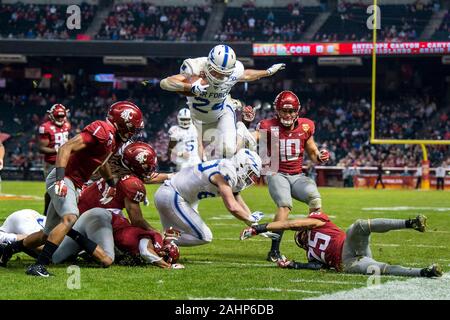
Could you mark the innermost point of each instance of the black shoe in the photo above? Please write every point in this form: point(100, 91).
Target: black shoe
point(37, 270)
point(5, 254)
point(273, 256)
point(432, 271)
point(419, 223)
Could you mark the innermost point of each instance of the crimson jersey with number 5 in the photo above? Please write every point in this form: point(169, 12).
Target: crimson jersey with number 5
point(56, 137)
point(325, 243)
point(291, 142)
point(129, 187)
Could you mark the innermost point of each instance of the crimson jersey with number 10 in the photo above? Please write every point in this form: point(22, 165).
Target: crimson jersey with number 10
point(325, 243)
point(56, 137)
point(291, 142)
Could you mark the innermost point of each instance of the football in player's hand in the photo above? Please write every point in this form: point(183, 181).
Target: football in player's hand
point(191, 81)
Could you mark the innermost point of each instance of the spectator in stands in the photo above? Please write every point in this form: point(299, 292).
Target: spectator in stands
point(440, 177)
point(379, 175)
point(419, 176)
point(2, 155)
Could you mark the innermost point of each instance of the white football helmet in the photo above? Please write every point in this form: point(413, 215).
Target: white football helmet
point(220, 64)
point(248, 166)
point(184, 118)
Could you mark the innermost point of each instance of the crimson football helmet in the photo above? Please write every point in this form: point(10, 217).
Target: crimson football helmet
point(126, 117)
point(287, 107)
point(171, 252)
point(57, 114)
point(301, 239)
point(140, 158)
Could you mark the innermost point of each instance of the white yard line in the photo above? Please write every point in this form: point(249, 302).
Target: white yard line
point(281, 290)
point(412, 289)
point(23, 196)
point(327, 281)
point(211, 298)
point(405, 208)
point(266, 265)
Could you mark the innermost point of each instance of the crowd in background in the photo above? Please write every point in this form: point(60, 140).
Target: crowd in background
point(32, 21)
point(145, 21)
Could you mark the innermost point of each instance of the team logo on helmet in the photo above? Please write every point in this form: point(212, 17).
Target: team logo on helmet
point(126, 115)
point(305, 127)
point(142, 157)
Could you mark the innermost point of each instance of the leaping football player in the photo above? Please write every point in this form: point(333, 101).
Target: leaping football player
point(210, 103)
point(76, 161)
point(295, 136)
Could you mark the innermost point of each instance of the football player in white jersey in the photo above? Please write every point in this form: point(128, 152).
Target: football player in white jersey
point(177, 199)
point(183, 145)
point(210, 103)
point(19, 224)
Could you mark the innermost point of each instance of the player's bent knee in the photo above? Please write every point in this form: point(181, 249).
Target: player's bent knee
point(315, 203)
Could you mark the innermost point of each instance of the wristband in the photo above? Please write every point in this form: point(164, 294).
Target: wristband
point(111, 182)
point(60, 173)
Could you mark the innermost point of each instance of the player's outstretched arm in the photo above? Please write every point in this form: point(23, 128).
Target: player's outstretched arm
point(135, 214)
point(228, 198)
point(175, 83)
point(252, 74)
point(297, 224)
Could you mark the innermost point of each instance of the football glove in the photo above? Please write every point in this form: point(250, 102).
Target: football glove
point(323, 156)
point(285, 263)
point(108, 195)
point(197, 88)
point(256, 216)
point(60, 188)
point(247, 233)
point(176, 266)
point(275, 68)
point(248, 114)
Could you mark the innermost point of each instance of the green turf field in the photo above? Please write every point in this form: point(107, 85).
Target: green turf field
point(233, 269)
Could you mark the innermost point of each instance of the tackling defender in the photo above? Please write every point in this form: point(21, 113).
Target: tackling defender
point(295, 136)
point(52, 135)
point(105, 224)
point(327, 246)
point(183, 145)
point(211, 105)
point(76, 160)
point(177, 199)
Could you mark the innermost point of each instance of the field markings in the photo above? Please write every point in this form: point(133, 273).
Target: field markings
point(8, 196)
point(406, 208)
point(211, 298)
point(412, 289)
point(328, 281)
point(282, 290)
point(266, 265)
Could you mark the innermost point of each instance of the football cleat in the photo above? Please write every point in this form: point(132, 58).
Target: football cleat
point(419, 223)
point(5, 254)
point(247, 233)
point(274, 256)
point(435, 270)
point(37, 270)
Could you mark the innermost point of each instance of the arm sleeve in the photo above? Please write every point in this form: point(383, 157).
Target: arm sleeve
point(145, 254)
point(312, 265)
